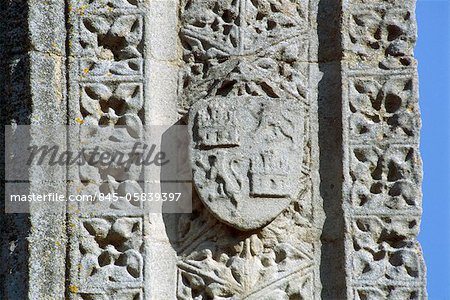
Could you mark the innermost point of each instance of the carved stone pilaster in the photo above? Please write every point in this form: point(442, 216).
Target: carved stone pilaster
point(382, 165)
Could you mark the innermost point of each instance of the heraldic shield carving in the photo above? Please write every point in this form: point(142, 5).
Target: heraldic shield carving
point(246, 155)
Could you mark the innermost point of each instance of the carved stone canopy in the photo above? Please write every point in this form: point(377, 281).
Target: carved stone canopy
point(246, 155)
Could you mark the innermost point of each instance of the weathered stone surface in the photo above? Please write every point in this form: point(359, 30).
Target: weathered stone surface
point(256, 48)
point(107, 88)
point(248, 60)
point(14, 96)
point(304, 127)
point(246, 157)
point(382, 166)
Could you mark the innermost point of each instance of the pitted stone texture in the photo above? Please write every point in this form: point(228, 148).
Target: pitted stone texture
point(111, 250)
point(113, 104)
point(108, 111)
point(276, 262)
point(111, 43)
point(383, 169)
point(84, 5)
point(244, 272)
point(241, 27)
point(132, 294)
point(256, 48)
point(385, 178)
point(237, 56)
point(383, 108)
point(380, 35)
point(388, 292)
point(381, 254)
point(246, 157)
point(247, 56)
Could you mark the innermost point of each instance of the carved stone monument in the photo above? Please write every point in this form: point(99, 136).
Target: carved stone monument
point(303, 126)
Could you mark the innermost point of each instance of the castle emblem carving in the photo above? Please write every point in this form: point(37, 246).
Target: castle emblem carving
point(246, 157)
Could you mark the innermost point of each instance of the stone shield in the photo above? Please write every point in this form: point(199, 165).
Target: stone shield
point(246, 155)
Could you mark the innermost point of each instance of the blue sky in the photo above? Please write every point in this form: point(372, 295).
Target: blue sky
point(433, 53)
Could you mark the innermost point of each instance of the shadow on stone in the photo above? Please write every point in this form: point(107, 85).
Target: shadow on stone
point(332, 267)
point(15, 109)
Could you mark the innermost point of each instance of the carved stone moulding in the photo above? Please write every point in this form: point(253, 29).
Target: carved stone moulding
point(246, 154)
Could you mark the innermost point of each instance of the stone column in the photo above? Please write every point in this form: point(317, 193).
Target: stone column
point(47, 71)
point(382, 165)
point(123, 72)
